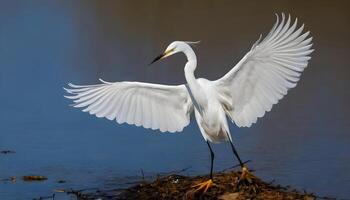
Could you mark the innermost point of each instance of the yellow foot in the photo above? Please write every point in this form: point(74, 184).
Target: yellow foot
point(246, 176)
point(247, 181)
point(203, 186)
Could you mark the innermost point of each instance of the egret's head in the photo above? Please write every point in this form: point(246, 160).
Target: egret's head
point(173, 48)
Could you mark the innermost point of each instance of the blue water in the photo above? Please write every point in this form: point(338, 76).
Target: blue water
point(98, 154)
point(303, 142)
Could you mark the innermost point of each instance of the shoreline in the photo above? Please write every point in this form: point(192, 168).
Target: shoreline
point(175, 186)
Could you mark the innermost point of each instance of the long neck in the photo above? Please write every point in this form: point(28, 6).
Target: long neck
point(190, 66)
point(195, 89)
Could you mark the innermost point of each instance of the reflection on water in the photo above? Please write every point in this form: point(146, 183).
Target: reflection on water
point(304, 142)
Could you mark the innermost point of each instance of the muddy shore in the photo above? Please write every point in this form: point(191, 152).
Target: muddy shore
point(176, 186)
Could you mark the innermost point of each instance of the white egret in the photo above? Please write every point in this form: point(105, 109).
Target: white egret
point(258, 81)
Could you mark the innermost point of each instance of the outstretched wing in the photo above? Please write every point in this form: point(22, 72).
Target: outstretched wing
point(265, 73)
point(154, 106)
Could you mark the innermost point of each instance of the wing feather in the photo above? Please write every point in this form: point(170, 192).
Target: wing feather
point(154, 106)
point(265, 74)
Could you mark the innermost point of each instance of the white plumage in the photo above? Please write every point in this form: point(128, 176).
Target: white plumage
point(266, 72)
point(154, 106)
point(245, 93)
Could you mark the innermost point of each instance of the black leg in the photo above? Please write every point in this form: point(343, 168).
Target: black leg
point(212, 160)
point(234, 151)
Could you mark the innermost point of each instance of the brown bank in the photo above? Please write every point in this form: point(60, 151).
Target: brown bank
point(180, 187)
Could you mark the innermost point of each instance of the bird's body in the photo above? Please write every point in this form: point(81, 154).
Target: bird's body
point(249, 90)
point(211, 120)
point(209, 113)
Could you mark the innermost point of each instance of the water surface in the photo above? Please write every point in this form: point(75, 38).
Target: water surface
point(303, 142)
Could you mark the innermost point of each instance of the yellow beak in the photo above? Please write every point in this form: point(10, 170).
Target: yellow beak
point(163, 55)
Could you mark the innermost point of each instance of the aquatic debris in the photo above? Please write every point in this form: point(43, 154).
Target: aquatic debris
point(59, 190)
point(52, 197)
point(25, 178)
point(11, 179)
point(34, 178)
point(7, 151)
